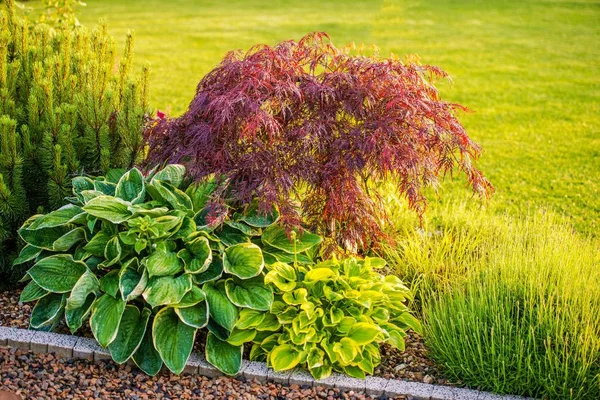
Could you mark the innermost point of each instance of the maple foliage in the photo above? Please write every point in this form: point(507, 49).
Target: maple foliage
point(306, 127)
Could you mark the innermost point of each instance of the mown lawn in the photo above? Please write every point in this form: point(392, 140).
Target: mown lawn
point(528, 69)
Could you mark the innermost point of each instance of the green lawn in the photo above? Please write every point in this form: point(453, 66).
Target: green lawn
point(529, 69)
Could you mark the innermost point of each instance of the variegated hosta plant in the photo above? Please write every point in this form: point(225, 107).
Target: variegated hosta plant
point(148, 262)
point(333, 317)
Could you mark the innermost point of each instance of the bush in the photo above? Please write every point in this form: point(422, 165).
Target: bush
point(509, 305)
point(333, 316)
point(62, 111)
point(306, 121)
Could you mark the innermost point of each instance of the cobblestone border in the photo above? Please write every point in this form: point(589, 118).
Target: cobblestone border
point(67, 346)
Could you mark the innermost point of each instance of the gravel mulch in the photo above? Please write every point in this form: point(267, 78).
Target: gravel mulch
point(413, 364)
point(44, 376)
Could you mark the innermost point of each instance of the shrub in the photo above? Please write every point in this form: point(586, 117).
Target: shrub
point(333, 316)
point(306, 121)
point(149, 262)
point(62, 111)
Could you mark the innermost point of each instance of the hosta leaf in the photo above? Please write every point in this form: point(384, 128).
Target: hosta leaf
point(259, 220)
point(132, 283)
point(222, 310)
point(86, 284)
point(214, 272)
point(243, 260)
point(109, 283)
point(275, 236)
point(81, 183)
point(269, 324)
point(106, 317)
point(76, 317)
point(285, 357)
point(319, 274)
point(172, 173)
point(147, 357)
point(43, 238)
point(47, 310)
point(163, 263)
point(63, 216)
point(201, 256)
point(195, 316)
point(98, 243)
point(298, 296)
point(200, 193)
point(250, 293)
point(130, 334)
point(131, 187)
point(167, 290)
point(363, 332)
point(173, 339)
point(346, 349)
point(224, 356)
point(32, 292)
point(112, 209)
point(191, 298)
point(217, 330)
point(27, 254)
point(66, 241)
point(163, 191)
point(249, 318)
point(112, 252)
point(104, 187)
point(354, 371)
point(238, 337)
point(57, 273)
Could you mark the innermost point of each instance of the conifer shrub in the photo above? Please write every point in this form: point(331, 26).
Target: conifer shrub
point(309, 128)
point(66, 107)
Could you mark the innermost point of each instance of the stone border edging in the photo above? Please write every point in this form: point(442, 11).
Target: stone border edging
point(68, 346)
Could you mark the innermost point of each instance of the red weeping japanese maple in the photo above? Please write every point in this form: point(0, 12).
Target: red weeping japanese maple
point(306, 127)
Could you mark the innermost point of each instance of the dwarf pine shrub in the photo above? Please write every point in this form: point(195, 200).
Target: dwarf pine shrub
point(67, 106)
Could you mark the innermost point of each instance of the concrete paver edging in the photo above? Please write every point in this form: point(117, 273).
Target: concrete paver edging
point(68, 346)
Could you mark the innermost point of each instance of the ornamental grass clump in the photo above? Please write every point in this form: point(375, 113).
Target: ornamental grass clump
point(64, 109)
point(306, 124)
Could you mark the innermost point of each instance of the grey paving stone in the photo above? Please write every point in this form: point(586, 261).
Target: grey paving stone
point(466, 394)
point(329, 382)
point(40, 340)
point(301, 377)
point(84, 348)
point(279, 377)
point(100, 353)
point(375, 386)
point(412, 390)
point(5, 332)
point(256, 370)
point(204, 367)
point(19, 338)
point(443, 393)
point(347, 383)
point(62, 345)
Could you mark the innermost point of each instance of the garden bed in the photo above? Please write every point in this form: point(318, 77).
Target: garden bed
point(412, 364)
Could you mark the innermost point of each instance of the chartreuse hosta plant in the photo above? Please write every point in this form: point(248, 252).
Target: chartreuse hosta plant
point(148, 262)
point(332, 317)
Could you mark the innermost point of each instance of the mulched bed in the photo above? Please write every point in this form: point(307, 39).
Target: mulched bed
point(413, 364)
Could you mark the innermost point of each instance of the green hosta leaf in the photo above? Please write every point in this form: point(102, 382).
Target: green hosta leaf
point(191, 298)
point(243, 260)
point(285, 357)
point(172, 173)
point(214, 272)
point(363, 332)
point(163, 191)
point(27, 254)
point(131, 187)
point(225, 357)
point(86, 284)
point(275, 236)
point(87, 195)
point(32, 292)
point(254, 218)
point(249, 318)
point(57, 273)
point(354, 371)
point(243, 228)
point(238, 337)
point(112, 209)
point(222, 310)
point(321, 372)
point(195, 316)
point(217, 330)
point(231, 237)
point(97, 245)
point(163, 263)
point(63, 216)
point(106, 317)
point(132, 283)
point(146, 356)
point(47, 310)
point(130, 334)
point(104, 187)
point(282, 256)
point(66, 241)
point(282, 275)
point(346, 349)
point(250, 293)
point(298, 296)
point(269, 324)
point(112, 252)
point(173, 339)
point(81, 183)
point(201, 253)
point(200, 193)
point(315, 358)
point(76, 317)
point(43, 238)
point(109, 283)
point(167, 290)
point(319, 274)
